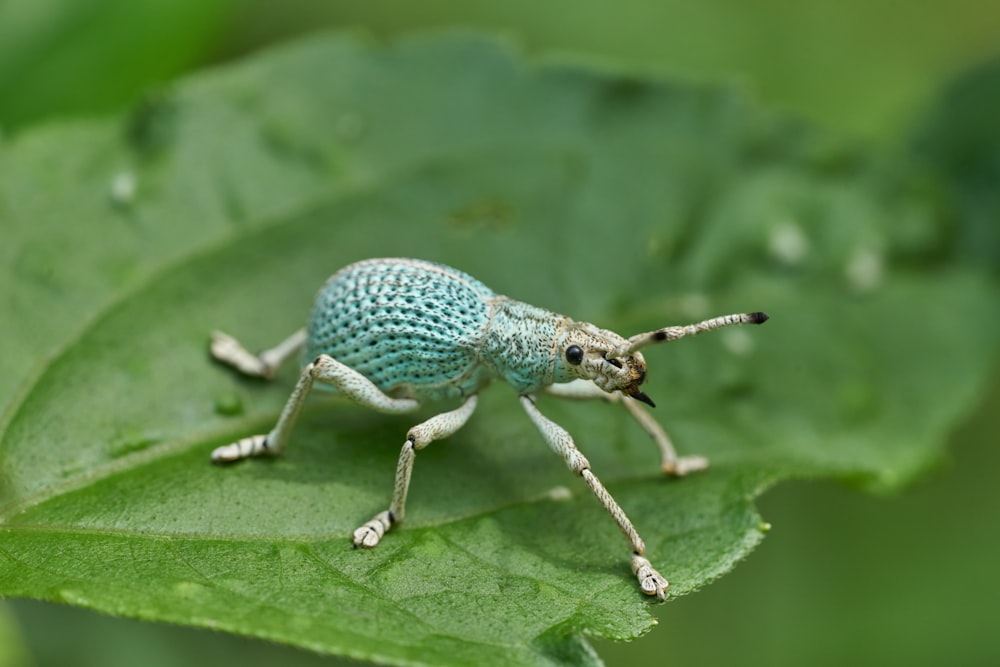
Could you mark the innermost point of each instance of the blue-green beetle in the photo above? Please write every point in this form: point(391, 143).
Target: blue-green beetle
point(393, 333)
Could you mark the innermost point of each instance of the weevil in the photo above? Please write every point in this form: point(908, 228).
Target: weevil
point(393, 333)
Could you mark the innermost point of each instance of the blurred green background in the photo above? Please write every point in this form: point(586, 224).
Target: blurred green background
point(862, 67)
point(843, 577)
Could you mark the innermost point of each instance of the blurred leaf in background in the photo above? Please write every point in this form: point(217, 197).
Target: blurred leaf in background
point(845, 578)
point(60, 58)
point(13, 650)
point(860, 67)
point(960, 137)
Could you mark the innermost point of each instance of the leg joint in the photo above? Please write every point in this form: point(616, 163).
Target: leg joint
point(577, 462)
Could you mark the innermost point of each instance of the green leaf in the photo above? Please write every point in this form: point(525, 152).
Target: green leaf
point(13, 651)
point(626, 202)
point(61, 57)
point(960, 138)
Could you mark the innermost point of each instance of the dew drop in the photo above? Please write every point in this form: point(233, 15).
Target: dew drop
point(129, 443)
point(189, 589)
point(865, 269)
point(788, 244)
point(123, 188)
point(559, 493)
point(73, 597)
point(693, 305)
point(228, 404)
point(738, 342)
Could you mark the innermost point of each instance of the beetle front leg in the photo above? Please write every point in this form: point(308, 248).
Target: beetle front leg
point(650, 581)
point(421, 435)
point(671, 463)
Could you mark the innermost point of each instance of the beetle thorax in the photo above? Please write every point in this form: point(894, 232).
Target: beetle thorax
point(520, 342)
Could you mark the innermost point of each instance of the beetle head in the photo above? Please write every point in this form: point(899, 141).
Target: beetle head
point(587, 352)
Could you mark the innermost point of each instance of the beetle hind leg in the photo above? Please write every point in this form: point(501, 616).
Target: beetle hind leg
point(324, 369)
point(231, 352)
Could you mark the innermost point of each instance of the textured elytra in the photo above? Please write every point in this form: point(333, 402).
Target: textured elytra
point(412, 327)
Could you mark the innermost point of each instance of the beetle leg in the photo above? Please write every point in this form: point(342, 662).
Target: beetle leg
point(581, 389)
point(418, 437)
point(229, 351)
point(671, 464)
point(650, 581)
point(326, 369)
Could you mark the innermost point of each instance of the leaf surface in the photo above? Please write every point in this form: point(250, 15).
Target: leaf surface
point(630, 203)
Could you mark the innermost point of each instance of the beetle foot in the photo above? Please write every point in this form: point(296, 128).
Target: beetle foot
point(650, 581)
point(255, 445)
point(229, 351)
point(369, 535)
point(684, 465)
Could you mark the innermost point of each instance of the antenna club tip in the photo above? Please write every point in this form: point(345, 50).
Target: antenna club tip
point(759, 318)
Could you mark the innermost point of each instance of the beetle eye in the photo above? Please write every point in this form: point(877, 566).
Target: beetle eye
point(574, 355)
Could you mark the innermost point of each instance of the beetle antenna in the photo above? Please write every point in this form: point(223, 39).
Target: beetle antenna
point(668, 334)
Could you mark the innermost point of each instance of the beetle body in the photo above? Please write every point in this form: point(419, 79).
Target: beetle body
point(426, 331)
point(394, 333)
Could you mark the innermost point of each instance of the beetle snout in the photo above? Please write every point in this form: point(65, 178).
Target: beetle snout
point(636, 367)
point(641, 396)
